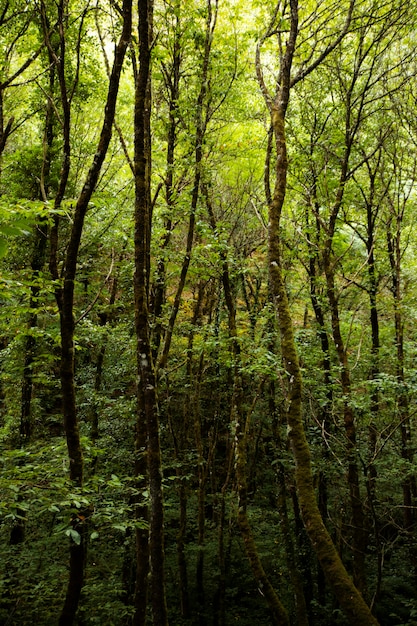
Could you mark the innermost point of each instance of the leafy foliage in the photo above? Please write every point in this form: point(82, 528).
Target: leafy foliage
point(351, 136)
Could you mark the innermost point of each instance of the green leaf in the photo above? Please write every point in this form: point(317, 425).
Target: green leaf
point(75, 536)
point(121, 527)
point(115, 481)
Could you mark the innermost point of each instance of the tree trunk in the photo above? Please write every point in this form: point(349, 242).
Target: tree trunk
point(147, 381)
point(326, 406)
point(278, 612)
point(182, 560)
point(141, 514)
point(219, 604)
point(78, 555)
point(395, 255)
point(371, 213)
point(201, 127)
point(94, 417)
point(359, 531)
point(172, 80)
point(292, 564)
point(347, 594)
point(65, 296)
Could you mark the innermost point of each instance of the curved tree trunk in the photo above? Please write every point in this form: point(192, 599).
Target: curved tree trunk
point(338, 579)
point(347, 594)
point(65, 295)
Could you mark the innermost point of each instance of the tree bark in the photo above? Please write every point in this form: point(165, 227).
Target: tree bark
point(78, 555)
point(148, 411)
point(293, 566)
point(172, 81)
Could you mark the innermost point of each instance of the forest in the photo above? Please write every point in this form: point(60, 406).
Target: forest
point(208, 251)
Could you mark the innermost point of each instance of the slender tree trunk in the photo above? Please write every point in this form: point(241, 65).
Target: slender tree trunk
point(78, 555)
point(142, 515)
point(37, 261)
point(172, 80)
point(219, 602)
point(359, 530)
point(292, 564)
point(17, 534)
point(65, 296)
point(182, 560)
point(191, 410)
point(326, 405)
point(147, 381)
point(201, 127)
point(409, 487)
point(372, 210)
point(278, 612)
point(371, 213)
point(104, 318)
point(203, 465)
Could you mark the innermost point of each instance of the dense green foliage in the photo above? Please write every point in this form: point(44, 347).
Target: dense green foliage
point(349, 249)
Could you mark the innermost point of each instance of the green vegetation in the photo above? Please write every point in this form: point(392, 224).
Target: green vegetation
point(208, 386)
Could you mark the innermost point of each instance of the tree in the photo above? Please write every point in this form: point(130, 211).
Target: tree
point(348, 596)
point(65, 294)
point(148, 422)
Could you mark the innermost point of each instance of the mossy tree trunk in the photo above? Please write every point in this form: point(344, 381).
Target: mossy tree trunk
point(345, 591)
point(338, 579)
